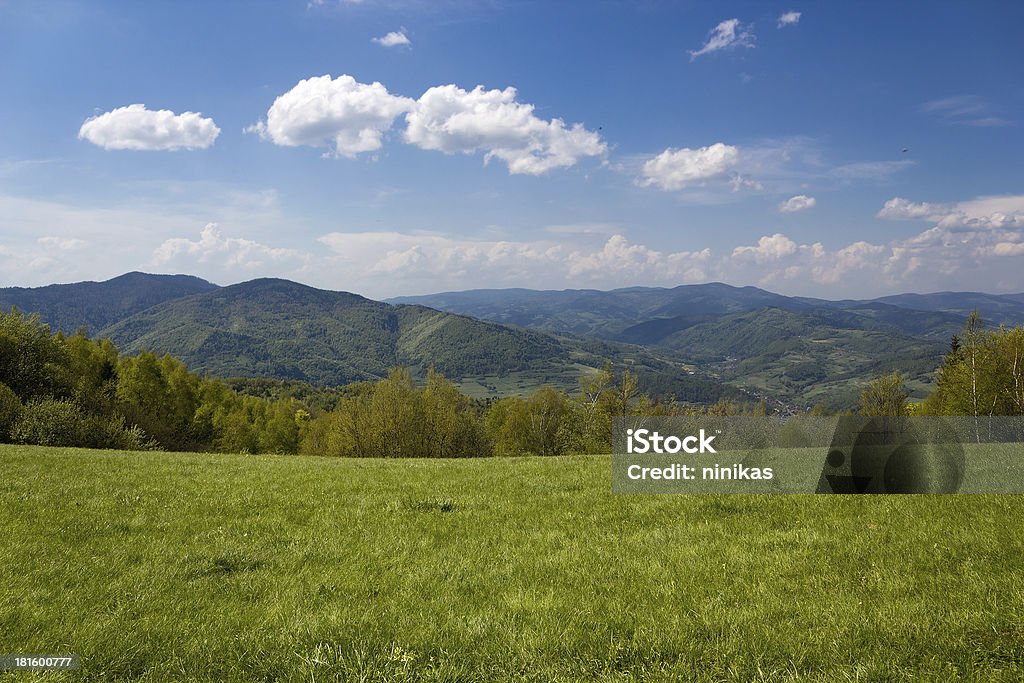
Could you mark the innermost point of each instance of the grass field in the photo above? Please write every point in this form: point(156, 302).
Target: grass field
point(177, 567)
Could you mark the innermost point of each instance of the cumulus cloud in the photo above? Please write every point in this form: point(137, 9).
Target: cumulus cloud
point(621, 257)
point(675, 169)
point(449, 119)
point(136, 128)
point(402, 263)
point(972, 236)
point(767, 249)
point(981, 214)
point(226, 251)
point(351, 117)
point(393, 39)
point(728, 35)
point(899, 208)
point(779, 262)
point(342, 114)
point(800, 202)
point(789, 19)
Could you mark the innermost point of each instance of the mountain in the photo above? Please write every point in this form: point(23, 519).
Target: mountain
point(699, 342)
point(649, 315)
point(806, 357)
point(278, 328)
point(794, 348)
point(995, 309)
point(95, 305)
point(637, 315)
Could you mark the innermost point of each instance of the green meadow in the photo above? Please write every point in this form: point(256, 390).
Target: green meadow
point(197, 567)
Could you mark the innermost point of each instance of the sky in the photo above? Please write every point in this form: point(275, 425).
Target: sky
point(400, 147)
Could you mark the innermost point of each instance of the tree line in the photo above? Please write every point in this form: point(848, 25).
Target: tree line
point(981, 375)
point(60, 390)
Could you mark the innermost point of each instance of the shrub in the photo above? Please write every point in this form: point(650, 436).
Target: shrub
point(10, 409)
point(52, 422)
point(116, 433)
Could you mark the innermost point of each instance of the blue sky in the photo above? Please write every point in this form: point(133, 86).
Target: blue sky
point(395, 147)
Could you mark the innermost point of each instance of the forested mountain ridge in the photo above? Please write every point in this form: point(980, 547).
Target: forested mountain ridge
point(95, 305)
point(603, 314)
point(277, 328)
point(686, 340)
point(645, 315)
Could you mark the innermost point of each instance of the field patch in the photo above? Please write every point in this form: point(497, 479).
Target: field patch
point(165, 566)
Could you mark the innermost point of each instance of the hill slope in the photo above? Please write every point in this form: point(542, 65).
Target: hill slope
point(607, 315)
point(95, 305)
point(277, 328)
point(817, 356)
point(648, 315)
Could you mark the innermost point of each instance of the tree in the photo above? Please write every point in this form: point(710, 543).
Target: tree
point(10, 409)
point(885, 396)
point(538, 425)
point(982, 375)
point(30, 357)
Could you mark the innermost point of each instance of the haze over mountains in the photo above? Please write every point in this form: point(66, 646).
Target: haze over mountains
point(699, 342)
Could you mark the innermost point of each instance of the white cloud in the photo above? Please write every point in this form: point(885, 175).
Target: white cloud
point(778, 262)
point(740, 182)
point(789, 19)
point(71, 241)
point(449, 119)
point(401, 263)
point(970, 240)
point(899, 208)
point(675, 169)
point(800, 202)
point(728, 35)
point(966, 110)
point(768, 249)
point(1008, 249)
point(347, 116)
point(229, 252)
point(620, 258)
point(393, 39)
point(984, 213)
point(136, 128)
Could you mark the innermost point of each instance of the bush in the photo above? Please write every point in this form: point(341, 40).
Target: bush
point(50, 422)
point(116, 433)
point(10, 409)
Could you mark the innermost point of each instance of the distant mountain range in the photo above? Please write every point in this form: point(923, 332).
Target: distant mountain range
point(645, 315)
point(699, 342)
point(277, 328)
point(799, 349)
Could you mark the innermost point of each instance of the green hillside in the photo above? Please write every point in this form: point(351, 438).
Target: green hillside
point(605, 315)
point(500, 342)
point(95, 305)
point(810, 357)
point(277, 328)
point(797, 350)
